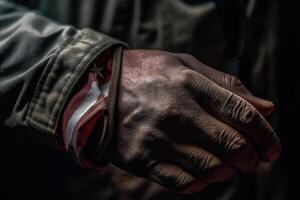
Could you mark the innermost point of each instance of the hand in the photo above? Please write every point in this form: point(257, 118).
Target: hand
point(185, 125)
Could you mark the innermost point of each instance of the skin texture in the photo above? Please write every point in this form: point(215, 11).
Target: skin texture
point(185, 125)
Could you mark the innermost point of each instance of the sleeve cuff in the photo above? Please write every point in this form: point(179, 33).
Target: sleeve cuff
point(84, 116)
point(61, 75)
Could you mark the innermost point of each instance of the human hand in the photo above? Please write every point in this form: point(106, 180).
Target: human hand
point(185, 125)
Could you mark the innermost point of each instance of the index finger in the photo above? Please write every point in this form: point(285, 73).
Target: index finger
point(228, 82)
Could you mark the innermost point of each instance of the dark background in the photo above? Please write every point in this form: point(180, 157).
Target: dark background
point(32, 170)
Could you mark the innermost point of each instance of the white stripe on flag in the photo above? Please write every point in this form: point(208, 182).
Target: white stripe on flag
point(105, 89)
point(86, 104)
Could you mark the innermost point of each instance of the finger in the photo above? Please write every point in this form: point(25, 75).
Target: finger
point(234, 111)
point(175, 178)
point(200, 163)
point(199, 128)
point(228, 82)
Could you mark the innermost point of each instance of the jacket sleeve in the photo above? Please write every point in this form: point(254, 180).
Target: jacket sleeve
point(41, 62)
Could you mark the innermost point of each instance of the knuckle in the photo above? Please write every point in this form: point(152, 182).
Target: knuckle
point(234, 144)
point(235, 148)
point(169, 109)
point(243, 112)
point(247, 114)
point(203, 163)
point(222, 136)
point(155, 139)
point(180, 180)
point(184, 77)
point(166, 109)
point(229, 140)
